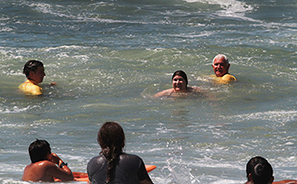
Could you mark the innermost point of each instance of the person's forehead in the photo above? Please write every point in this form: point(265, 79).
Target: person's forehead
point(220, 60)
point(178, 77)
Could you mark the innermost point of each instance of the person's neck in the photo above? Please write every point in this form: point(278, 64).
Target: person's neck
point(181, 91)
point(32, 81)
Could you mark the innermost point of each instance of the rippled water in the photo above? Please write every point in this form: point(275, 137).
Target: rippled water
point(109, 58)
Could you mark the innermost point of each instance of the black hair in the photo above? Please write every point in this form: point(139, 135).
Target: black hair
point(31, 65)
point(38, 150)
point(260, 169)
point(182, 74)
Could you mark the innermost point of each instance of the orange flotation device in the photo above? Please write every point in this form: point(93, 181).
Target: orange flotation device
point(286, 182)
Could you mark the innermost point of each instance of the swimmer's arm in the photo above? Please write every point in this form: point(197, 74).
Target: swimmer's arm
point(62, 172)
point(53, 84)
point(164, 93)
point(159, 94)
point(196, 89)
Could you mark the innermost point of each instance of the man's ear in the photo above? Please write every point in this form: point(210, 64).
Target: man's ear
point(31, 73)
point(271, 179)
point(48, 156)
point(250, 177)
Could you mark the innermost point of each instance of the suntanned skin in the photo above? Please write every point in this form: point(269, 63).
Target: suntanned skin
point(37, 76)
point(179, 87)
point(47, 170)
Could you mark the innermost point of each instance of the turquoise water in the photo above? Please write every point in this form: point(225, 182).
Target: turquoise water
point(110, 57)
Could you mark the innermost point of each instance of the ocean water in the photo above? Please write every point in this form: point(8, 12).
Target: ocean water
point(110, 57)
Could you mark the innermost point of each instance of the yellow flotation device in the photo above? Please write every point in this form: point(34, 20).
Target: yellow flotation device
point(227, 78)
point(30, 88)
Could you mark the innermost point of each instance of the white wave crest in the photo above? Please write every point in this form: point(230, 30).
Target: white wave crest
point(230, 8)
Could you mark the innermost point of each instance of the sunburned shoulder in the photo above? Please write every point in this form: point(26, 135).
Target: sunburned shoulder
point(41, 164)
point(38, 171)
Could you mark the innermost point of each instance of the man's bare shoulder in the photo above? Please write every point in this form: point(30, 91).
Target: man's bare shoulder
point(39, 171)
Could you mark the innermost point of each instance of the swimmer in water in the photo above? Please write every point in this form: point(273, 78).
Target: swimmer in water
point(113, 165)
point(221, 67)
point(265, 175)
point(179, 86)
point(45, 165)
point(259, 171)
point(34, 72)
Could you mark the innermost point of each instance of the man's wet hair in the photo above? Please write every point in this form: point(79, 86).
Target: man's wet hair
point(31, 65)
point(260, 169)
point(38, 150)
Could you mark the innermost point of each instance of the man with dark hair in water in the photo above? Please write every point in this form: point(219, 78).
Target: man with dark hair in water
point(259, 171)
point(34, 72)
point(45, 165)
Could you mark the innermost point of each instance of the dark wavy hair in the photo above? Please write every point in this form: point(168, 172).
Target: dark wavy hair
point(38, 150)
point(31, 65)
point(182, 74)
point(260, 169)
point(111, 139)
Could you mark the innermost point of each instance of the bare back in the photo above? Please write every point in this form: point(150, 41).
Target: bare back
point(45, 171)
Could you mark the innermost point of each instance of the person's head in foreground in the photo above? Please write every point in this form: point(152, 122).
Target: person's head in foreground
point(259, 171)
point(34, 71)
point(45, 166)
point(111, 139)
point(179, 81)
point(39, 150)
point(220, 65)
point(113, 165)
